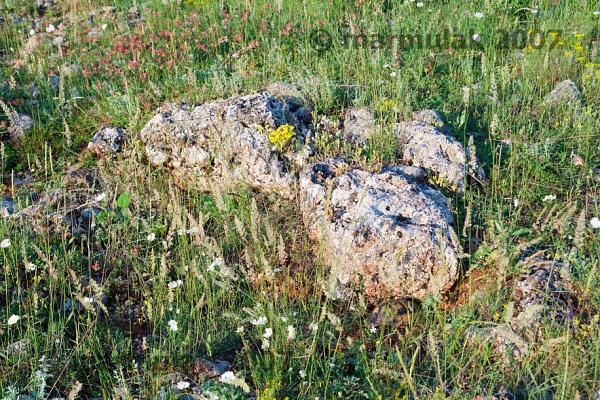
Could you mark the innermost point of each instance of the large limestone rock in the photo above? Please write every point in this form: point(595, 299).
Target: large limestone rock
point(425, 146)
point(228, 140)
point(383, 233)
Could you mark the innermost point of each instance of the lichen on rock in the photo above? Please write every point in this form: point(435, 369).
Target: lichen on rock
point(228, 140)
point(383, 234)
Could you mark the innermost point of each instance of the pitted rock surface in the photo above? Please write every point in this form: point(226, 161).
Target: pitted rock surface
point(425, 146)
point(430, 117)
point(108, 140)
point(385, 233)
point(227, 139)
point(542, 292)
point(359, 126)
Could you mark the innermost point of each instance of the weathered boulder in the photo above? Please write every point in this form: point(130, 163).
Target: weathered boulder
point(383, 233)
point(107, 140)
point(542, 292)
point(359, 126)
point(564, 93)
point(229, 139)
point(425, 146)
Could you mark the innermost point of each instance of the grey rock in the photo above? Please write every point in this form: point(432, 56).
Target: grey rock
point(108, 140)
point(70, 69)
point(67, 209)
point(58, 40)
point(564, 93)
point(7, 207)
point(54, 80)
point(425, 146)
point(227, 140)
point(541, 293)
point(359, 125)
point(19, 124)
point(206, 369)
point(384, 234)
point(430, 117)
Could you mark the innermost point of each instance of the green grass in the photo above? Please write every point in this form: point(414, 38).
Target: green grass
point(178, 52)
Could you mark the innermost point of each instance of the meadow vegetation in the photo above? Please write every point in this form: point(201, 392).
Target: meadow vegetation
point(170, 278)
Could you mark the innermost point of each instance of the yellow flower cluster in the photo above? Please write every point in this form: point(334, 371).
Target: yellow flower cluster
point(282, 136)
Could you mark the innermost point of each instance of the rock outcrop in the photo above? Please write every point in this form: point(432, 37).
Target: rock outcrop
point(385, 234)
point(425, 146)
point(229, 140)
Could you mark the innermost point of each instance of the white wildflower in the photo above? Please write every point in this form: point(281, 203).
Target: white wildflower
point(175, 284)
point(86, 300)
point(595, 223)
point(172, 325)
point(218, 262)
point(50, 28)
point(291, 332)
point(103, 27)
point(265, 344)
point(334, 319)
point(268, 333)
point(100, 197)
point(476, 37)
point(32, 32)
point(420, 4)
point(229, 378)
point(549, 197)
point(478, 15)
point(302, 373)
point(30, 267)
point(259, 321)
point(373, 329)
point(240, 329)
point(516, 202)
point(182, 385)
point(5, 243)
point(393, 74)
point(151, 237)
point(13, 319)
point(314, 327)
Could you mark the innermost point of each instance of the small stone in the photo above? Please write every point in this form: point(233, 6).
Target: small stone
point(565, 93)
point(204, 369)
point(430, 117)
point(70, 69)
point(7, 207)
point(21, 124)
point(58, 40)
point(359, 126)
point(108, 140)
